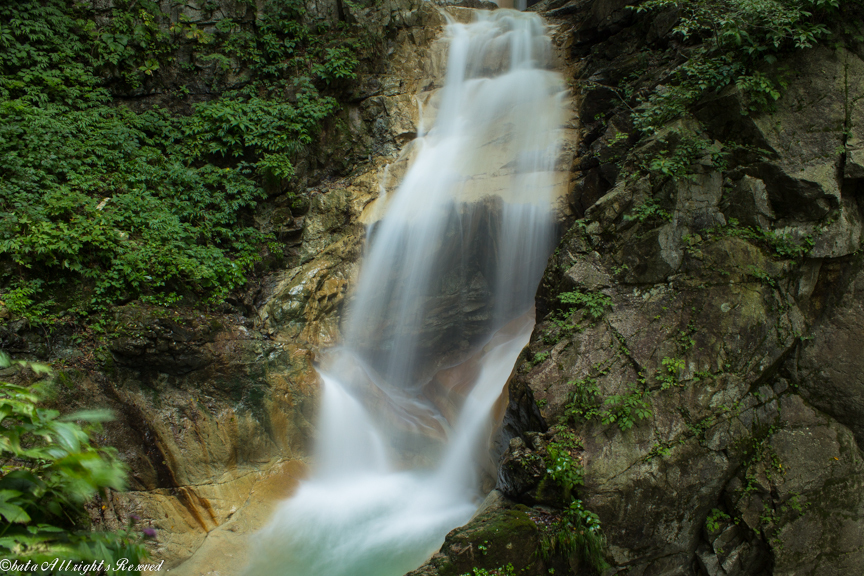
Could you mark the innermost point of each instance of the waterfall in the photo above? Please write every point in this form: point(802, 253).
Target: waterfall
point(442, 308)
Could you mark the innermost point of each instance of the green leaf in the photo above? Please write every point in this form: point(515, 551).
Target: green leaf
point(11, 511)
point(102, 415)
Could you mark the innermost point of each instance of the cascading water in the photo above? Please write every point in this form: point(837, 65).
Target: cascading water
point(442, 309)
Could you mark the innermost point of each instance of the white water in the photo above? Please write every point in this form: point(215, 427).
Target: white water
point(443, 306)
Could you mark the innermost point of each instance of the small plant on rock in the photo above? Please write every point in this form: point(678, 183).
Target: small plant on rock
point(507, 570)
point(626, 409)
point(715, 520)
point(648, 210)
point(595, 303)
point(577, 532)
point(563, 468)
point(669, 377)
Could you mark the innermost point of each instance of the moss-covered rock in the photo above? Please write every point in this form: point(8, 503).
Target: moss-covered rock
point(501, 533)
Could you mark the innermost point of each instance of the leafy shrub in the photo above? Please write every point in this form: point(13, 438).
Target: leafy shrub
point(50, 470)
point(622, 409)
point(584, 400)
point(783, 245)
point(339, 64)
point(677, 161)
point(539, 358)
point(648, 210)
point(109, 207)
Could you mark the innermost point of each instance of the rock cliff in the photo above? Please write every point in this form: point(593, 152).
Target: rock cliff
point(698, 354)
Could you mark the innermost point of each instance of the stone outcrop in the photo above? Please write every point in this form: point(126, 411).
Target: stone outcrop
point(502, 530)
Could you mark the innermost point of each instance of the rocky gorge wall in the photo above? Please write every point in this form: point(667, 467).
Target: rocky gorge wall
point(699, 363)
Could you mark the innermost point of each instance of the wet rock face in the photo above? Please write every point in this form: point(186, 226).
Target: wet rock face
point(502, 525)
point(744, 466)
point(829, 368)
point(810, 176)
point(207, 410)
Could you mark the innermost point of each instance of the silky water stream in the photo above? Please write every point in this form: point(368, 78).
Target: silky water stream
point(442, 308)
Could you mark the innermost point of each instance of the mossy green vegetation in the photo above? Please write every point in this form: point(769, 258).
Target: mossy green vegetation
point(103, 204)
